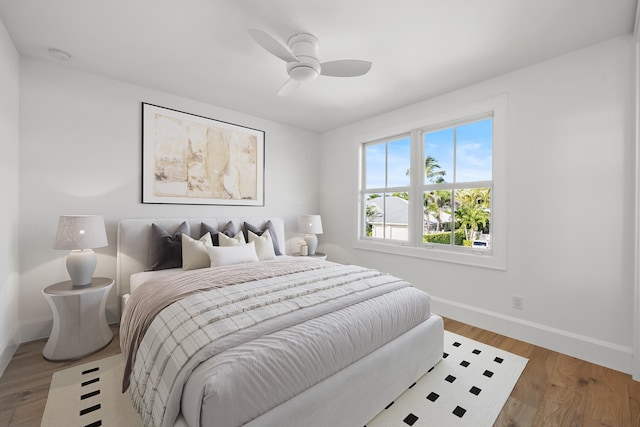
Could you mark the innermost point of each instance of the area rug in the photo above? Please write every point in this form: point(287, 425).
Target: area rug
point(468, 387)
point(89, 395)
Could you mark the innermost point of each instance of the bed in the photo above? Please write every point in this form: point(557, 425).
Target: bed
point(324, 353)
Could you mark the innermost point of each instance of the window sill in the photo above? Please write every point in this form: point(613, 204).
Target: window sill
point(474, 258)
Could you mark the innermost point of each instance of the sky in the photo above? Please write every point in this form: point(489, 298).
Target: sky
point(472, 147)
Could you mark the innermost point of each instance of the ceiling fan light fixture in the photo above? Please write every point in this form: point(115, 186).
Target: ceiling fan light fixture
point(303, 73)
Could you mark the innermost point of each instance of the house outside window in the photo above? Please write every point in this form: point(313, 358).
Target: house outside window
point(437, 191)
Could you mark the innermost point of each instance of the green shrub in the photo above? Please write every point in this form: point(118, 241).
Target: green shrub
point(445, 238)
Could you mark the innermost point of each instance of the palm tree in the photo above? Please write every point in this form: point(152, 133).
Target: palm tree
point(472, 218)
point(435, 202)
point(474, 196)
point(371, 214)
point(431, 167)
point(473, 209)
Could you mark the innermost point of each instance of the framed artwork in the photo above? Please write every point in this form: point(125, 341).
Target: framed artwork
point(189, 159)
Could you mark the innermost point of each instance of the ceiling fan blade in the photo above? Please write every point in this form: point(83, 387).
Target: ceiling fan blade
point(345, 68)
point(289, 87)
point(272, 45)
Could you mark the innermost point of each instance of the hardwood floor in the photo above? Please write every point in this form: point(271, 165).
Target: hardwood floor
point(560, 390)
point(554, 389)
point(25, 383)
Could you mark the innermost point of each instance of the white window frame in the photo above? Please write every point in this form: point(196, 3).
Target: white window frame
point(496, 257)
point(387, 189)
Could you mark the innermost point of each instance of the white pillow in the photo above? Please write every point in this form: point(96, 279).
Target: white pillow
point(264, 245)
point(194, 252)
point(224, 240)
point(227, 255)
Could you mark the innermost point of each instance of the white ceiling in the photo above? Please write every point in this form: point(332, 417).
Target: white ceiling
point(419, 48)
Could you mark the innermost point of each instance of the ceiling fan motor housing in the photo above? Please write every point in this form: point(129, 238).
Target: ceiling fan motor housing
point(305, 48)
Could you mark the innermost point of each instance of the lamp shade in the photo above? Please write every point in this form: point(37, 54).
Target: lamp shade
point(311, 224)
point(80, 232)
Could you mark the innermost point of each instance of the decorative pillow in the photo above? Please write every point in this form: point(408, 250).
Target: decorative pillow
point(228, 230)
point(194, 252)
point(264, 245)
point(221, 255)
point(258, 231)
point(236, 240)
point(165, 249)
point(208, 228)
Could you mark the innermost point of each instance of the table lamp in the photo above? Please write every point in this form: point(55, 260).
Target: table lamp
point(312, 225)
point(81, 234)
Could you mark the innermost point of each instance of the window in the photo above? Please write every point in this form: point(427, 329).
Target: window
point(452, 207)
point(457, 184)
point(387, 189)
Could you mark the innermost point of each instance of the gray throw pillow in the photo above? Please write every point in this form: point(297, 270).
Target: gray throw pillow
point(165, 249)
point(228, 230)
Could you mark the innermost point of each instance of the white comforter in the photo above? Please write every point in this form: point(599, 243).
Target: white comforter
point(232, 353)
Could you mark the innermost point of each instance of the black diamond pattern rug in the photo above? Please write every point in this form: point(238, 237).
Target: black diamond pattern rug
point(468, 387)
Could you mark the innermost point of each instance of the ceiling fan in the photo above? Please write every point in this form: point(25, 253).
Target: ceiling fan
point(302, 62)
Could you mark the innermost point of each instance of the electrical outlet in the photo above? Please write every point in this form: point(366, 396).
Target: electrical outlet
point(517, 302)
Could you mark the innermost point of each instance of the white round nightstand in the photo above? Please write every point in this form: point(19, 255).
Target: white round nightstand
point(79, 322)
point(318, 255)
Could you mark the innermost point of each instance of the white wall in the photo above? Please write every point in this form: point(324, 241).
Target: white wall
point(9, 137)
point(80, 153)
point(570, 153)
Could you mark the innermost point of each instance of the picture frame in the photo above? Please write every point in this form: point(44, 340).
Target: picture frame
point(191, 159)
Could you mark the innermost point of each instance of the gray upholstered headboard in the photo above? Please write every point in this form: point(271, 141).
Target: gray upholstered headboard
point(134, 235)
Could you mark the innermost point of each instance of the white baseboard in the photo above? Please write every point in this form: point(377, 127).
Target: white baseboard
point(596, 351)
point(35, 329)
point(8, 349)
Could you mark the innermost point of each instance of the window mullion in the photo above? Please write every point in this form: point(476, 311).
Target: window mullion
point(416, 211)
point(384, 195)
point(362, 209)
point(455, 152)
point(452, 220)
point(458, 186)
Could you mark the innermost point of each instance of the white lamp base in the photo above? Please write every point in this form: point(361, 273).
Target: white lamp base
point(81, 264)
point(312, 243)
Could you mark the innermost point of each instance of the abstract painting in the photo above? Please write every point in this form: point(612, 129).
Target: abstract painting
point(190, 159)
